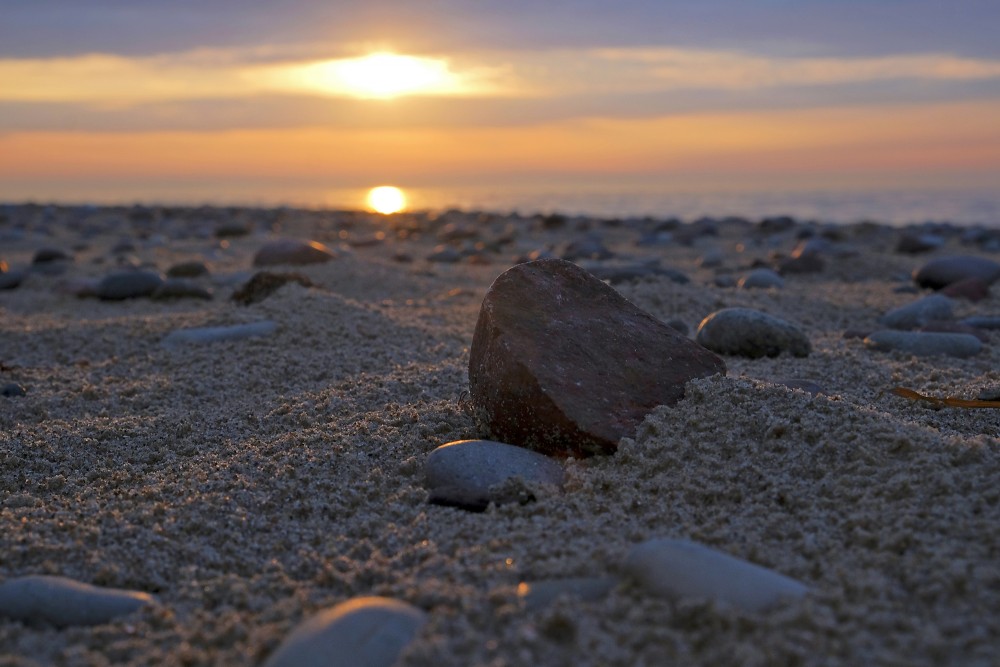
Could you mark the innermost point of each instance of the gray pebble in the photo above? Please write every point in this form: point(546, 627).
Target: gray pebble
point(369, 631)
point(751, 333)
point(761, 278)
point(12, 279)
point(217, 334)
point(128, 285)
point(471, 473)
point(62, 601)
point(925, 344)
point(679, 569)
point(935, 307)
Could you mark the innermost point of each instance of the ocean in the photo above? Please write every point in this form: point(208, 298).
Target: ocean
point(964, 207)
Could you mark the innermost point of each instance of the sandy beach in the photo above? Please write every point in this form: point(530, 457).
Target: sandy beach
point(248, 484)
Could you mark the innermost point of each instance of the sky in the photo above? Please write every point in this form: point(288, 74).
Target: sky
point(230, 98)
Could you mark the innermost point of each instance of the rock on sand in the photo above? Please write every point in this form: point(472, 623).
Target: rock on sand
point(63, 602)
point(565, 365)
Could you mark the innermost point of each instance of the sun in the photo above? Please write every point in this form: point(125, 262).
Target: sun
point(386, 199)
point(380, 75)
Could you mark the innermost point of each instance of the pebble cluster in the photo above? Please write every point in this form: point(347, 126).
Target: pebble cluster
point(535, 381)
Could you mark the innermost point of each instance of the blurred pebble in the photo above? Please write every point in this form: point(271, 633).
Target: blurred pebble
point(65, 602)
point(750, 333)
point(180, 288)
point(470, 473)
point(944, 271)
point(931, 308)
point(539, 594)
point(292, 251)
point(761, 279)
point(923, 344)
point(128, 284)
point(970, 289)
point(12, 389)
point(368, 631)
point(681, 569)
point(189, 269)
point(203, 335)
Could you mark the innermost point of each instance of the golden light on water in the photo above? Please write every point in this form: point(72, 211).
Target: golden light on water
point(386, 199)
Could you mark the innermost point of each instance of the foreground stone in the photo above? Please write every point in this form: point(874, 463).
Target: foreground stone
point(678, 569)
point(563, 364)
point(471, 473)
point(750, 333)
point(369, 631)
point(925, 344)
point(63, 602)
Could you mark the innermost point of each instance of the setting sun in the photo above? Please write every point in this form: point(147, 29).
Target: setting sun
point(386, 199)
point(378, 75)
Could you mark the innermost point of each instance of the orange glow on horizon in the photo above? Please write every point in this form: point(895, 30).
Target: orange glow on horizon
point(904, 139)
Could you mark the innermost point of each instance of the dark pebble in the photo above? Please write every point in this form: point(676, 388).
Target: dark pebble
point(128, 285)
point(12, 389)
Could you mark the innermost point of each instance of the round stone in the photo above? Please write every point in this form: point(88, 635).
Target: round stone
point(63, 602)
point(128, 284)
point(936, 307)
point(925, 344)
point(750, 333)
point(370, 631)
point(471, 473)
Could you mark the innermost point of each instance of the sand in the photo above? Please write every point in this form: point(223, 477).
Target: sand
point(249, 484)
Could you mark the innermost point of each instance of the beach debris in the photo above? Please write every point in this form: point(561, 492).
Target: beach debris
point(473, 473)
point(932, 308)
point(924, 344)
point(292, 251)
point(679, 569)
point(751, 333)
point(945, 402)
point(539, 594)
point(63, 602)
point(127, 284)
point(761, 278)
point(370, 631)
point(202, 335)
point(264, 283)
point(944, 271)
point(563, 364)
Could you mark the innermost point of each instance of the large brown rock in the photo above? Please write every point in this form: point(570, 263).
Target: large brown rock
point(563, 364)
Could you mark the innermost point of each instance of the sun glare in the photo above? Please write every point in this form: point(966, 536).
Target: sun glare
point(379, 75)
point(386, 199)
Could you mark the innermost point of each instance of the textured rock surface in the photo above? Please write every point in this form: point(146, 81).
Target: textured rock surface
point(62, 601)
point(563, 364)
point(369, 631)
point(679, 569)
point(751, 333)
point(471, 473)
